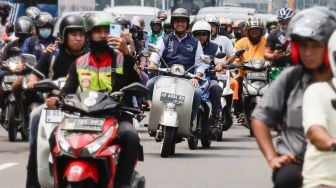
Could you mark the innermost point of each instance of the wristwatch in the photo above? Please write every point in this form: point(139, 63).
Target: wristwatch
point(333, 147)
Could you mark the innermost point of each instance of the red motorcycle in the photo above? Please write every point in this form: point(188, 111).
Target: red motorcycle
point(83, 148)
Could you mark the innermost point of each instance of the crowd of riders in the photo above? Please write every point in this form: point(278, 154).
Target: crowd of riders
point(300, 102)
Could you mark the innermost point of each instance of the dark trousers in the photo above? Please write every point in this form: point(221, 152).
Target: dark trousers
point(129, 142)
point(288, 176)
point(238, 105)
point(215, 96)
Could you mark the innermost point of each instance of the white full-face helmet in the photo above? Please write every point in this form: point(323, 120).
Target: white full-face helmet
point(201, 27)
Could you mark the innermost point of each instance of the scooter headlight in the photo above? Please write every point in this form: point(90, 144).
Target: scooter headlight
point(177, 70)
point(97, 144)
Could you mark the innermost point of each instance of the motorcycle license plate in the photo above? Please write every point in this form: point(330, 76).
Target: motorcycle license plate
point(83, 124)
point(171, 98)
point(10, 78)
point(256, 74)
point(54, 116)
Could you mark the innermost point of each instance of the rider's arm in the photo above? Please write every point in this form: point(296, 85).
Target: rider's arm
point(155, 58)
point(268, 112)
point(72, 82)
point(200, 66)
point(264, 139)
point(315, 119)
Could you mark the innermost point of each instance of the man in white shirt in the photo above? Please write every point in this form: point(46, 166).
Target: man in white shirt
point(319, 122)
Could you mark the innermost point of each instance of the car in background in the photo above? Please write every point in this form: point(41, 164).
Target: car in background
point(147, 13)
point(226, 9)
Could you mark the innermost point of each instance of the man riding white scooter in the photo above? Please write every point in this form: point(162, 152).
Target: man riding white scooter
point(180, 47)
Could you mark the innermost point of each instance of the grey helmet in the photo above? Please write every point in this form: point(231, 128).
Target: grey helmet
point(180, 13)
point(314, 23)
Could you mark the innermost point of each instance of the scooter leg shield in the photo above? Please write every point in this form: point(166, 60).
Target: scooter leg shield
point(77, 171)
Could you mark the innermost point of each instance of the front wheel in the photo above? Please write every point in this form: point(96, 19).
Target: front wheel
point(12, 121)
point(206, 133)
point(168, 141)
point(88, 183)
point(226, 119)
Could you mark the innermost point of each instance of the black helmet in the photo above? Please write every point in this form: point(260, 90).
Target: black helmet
point(97, 19)
point(5, 8)
point(155, 21)
point(24, 26)
point(32, 12)
point(70, 22)
point(44, 19)
point(123, 20)
point(180, 13)
point(316, 23)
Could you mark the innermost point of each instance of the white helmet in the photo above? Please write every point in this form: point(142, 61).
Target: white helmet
point(200, 26)
point(332, 52)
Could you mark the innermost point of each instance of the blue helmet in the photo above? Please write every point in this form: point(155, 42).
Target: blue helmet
point(285, 14)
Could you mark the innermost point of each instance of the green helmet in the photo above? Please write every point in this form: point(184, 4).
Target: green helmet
point(97, 19)
point(167, 23)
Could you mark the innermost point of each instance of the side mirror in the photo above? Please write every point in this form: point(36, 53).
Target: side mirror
point(15, 50)
point(152, 48)
point(220, 55)
point(45, 86)
point(29, 58)
point(206, 59)
point(135, 89)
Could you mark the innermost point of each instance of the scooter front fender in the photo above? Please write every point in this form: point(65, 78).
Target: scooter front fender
point(169, 118)
point(77, 171)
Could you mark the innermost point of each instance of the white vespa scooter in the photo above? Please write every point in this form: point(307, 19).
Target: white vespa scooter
point(170, 115)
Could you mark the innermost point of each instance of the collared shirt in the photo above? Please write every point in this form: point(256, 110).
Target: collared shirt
point(252, 52)
point(200, 66)
point(274, 107)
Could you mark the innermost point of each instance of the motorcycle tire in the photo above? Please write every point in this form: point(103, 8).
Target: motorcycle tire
point(192, 142)
point(206, 133)
point(168, 140)
point(226, 119)
point(88, 183)
point(12, 123)
point(137, 180)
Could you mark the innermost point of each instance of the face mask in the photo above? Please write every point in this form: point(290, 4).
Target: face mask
point(45, 33)
point(237, 34)
point(282, 30)
point(99, 46)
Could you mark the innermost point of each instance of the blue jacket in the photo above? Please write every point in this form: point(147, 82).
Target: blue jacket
point(177, 52)
point(30, 48)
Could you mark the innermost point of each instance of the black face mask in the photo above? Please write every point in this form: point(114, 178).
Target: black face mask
point(99, 46)
point(238, 35)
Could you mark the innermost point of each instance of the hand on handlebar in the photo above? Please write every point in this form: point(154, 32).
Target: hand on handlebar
point(277, 54)
point(30, 85)
point(194, 82)
point(152, 66)
point(51, 102)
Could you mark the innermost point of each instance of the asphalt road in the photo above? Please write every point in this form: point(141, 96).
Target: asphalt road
point(233, 163)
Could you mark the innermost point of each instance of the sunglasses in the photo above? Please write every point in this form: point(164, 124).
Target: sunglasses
point(200, 33)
